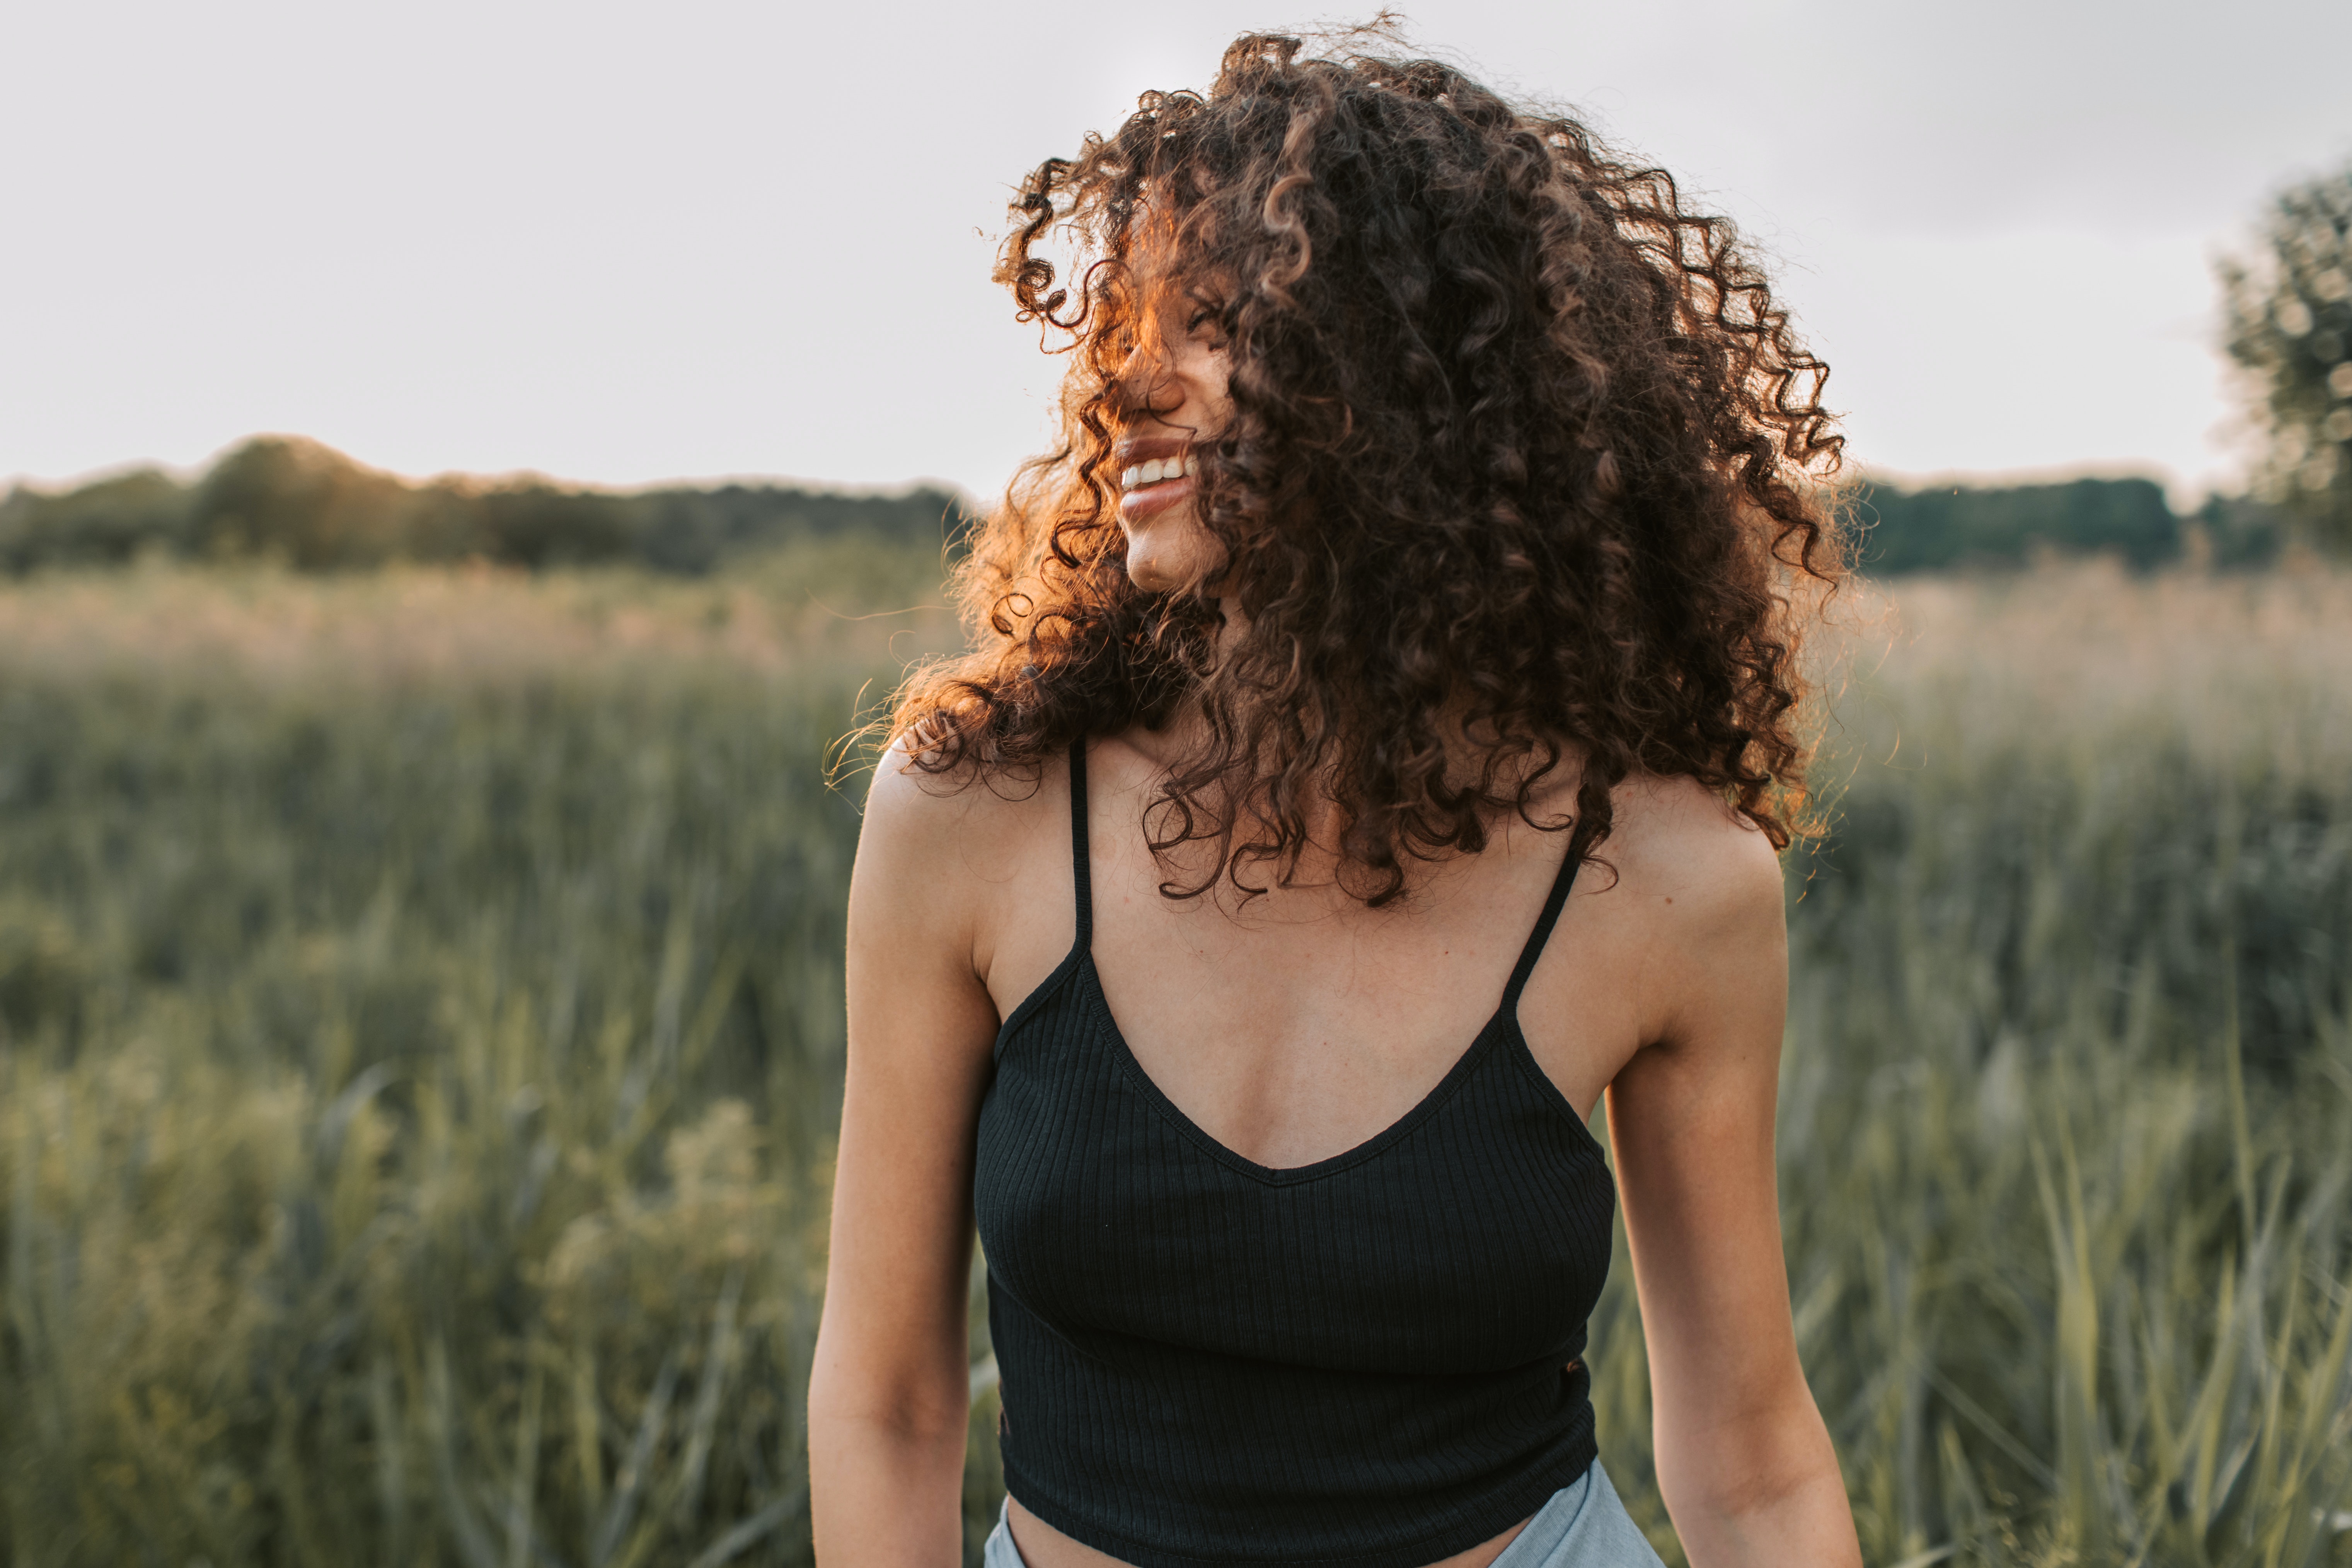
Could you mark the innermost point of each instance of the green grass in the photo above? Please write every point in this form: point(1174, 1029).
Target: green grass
point(422, 1038)
point(2066, 1115)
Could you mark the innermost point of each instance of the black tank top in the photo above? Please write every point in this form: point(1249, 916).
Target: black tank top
point(1369, 1361)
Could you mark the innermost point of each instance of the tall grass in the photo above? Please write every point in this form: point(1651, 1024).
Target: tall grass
point(421, 1009)
point(2066, 1116)
point(421, 1000)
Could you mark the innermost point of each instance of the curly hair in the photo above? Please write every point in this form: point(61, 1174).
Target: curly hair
point(1521, 453)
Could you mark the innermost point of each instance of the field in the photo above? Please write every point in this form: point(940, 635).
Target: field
point(422, 1038)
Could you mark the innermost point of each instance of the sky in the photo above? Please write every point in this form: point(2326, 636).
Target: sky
point(626, 244)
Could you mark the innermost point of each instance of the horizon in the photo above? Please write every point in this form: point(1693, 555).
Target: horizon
point(516, 236)
point(2180, 499)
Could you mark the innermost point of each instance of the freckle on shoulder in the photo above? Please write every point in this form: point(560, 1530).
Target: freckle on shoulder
point(1687, 844)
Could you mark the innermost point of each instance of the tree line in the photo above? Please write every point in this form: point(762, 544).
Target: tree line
point(1943, 528)
point(304, 505)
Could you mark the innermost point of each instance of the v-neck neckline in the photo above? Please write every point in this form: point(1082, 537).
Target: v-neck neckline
point(1098, 1006)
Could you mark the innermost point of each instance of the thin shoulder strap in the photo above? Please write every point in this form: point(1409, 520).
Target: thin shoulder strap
point(1545, 921)
point(1081, 871)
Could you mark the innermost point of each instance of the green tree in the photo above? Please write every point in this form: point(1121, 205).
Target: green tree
point(1962, 526)
point(307, 504)
point(2288, 308)
point(107, 522)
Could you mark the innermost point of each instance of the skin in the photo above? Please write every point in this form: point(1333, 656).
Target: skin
point(1292, 1029)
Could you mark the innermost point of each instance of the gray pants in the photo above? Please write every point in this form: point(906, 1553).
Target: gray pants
point(1584, 1525)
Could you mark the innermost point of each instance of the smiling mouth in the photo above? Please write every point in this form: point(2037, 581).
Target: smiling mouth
point(1158, 471)
point(1163, 474)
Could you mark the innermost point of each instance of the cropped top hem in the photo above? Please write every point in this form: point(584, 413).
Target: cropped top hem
point(1501, 1511)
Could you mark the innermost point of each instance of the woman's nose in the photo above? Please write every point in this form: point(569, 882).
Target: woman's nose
point(1146, 383)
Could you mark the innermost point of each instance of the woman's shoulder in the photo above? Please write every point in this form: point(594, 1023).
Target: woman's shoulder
point(962, 816)
point(1676, 921)
point(1684, 852)
point(948, 845)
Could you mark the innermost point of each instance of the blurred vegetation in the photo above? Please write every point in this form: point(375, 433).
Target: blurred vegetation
point(1943, 528)
point(291, 500)
point(296, 503)
point(2288, 306)
point(419, 1045)
point(2065, 1126)
point(420, 1038)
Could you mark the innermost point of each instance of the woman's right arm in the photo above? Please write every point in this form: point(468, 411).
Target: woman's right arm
point(888, 1392)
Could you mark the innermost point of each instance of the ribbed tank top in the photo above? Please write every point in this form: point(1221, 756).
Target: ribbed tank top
point(1369, 1361)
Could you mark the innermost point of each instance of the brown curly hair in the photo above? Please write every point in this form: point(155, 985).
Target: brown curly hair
point(1520, 452)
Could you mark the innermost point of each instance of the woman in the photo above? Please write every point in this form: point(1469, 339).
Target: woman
point(1426, 543)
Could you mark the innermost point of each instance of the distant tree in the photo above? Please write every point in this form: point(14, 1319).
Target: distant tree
point(106, 522)
point(294, 500)
point(2289, 323)
point(2241, 533)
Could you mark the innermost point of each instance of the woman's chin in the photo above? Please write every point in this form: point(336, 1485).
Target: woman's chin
point(1168, 550)
point(1149, 566)
point(1147, 576)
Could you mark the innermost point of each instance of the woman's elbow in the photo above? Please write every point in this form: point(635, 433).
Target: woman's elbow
point(910, 1405)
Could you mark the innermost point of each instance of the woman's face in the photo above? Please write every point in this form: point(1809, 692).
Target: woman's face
point(1171, 393)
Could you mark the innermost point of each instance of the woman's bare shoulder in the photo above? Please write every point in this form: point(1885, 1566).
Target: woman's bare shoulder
point(962, 820)
point(1679, 846)
point(942, 847)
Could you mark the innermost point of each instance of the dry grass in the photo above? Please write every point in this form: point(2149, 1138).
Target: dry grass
point(2234, 665)
point(828, 604)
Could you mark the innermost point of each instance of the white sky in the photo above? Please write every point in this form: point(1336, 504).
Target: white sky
point(628, 243)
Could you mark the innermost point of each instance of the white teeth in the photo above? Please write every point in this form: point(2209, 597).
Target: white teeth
point(1157, 470)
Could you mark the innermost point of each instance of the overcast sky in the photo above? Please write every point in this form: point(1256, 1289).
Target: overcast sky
point(630, 243)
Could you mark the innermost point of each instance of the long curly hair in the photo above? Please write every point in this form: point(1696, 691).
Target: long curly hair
point(1524, 465)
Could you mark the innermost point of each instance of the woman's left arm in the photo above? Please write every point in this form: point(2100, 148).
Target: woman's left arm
point(1744, 1460)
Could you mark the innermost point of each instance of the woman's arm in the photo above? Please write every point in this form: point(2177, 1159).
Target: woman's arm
point(888, 1392)
point(1744, 1460)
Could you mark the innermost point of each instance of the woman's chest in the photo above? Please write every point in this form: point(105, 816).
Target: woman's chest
point(1471, 1234)
point(1299, 1027)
